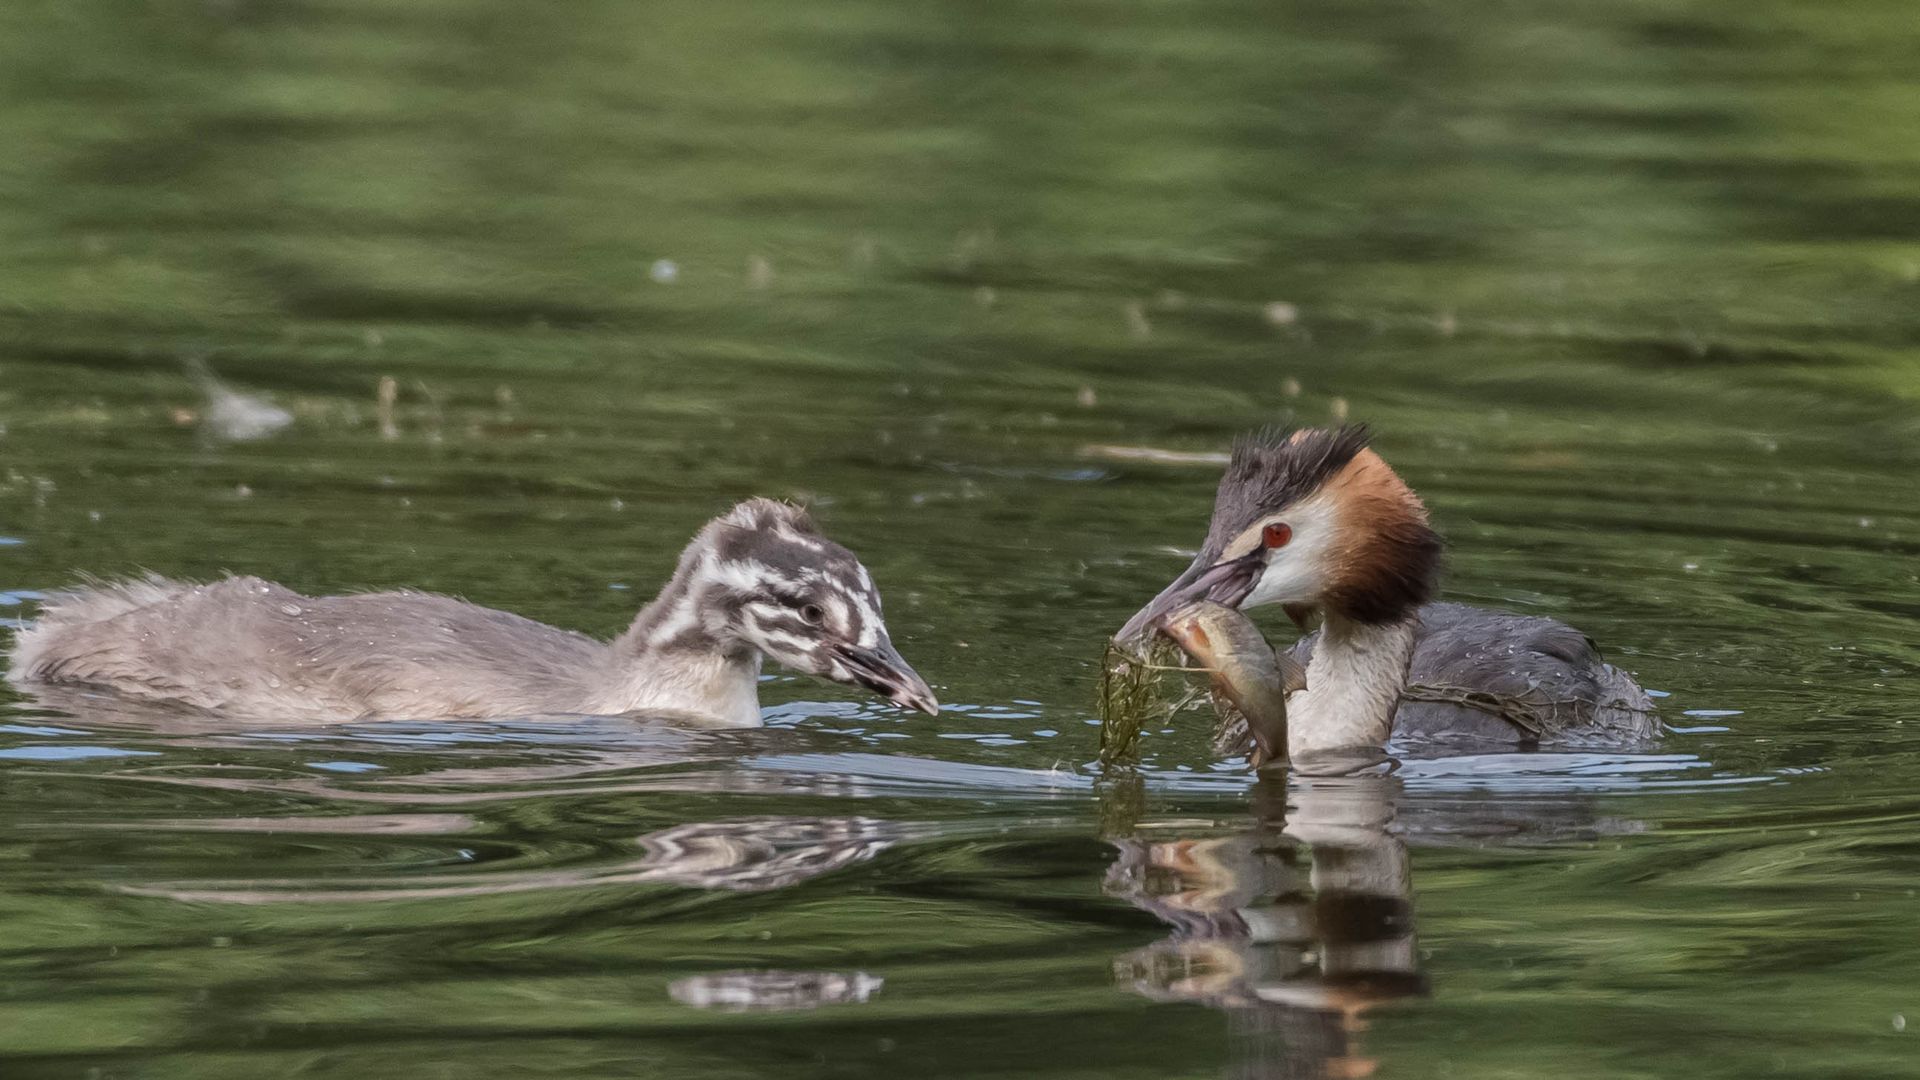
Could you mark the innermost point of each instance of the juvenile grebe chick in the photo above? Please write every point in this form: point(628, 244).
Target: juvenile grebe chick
point(758, 581)
point(1315, 521)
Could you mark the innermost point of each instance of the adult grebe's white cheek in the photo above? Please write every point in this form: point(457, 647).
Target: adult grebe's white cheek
point(1286, 581)
point(1297, 573)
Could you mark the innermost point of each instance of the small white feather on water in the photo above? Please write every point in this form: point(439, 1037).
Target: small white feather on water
point(233, 416)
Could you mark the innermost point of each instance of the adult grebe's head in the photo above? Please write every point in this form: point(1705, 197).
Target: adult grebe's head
point(1309, 518)
point(762, 575)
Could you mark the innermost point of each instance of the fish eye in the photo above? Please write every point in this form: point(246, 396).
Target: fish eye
point(812, 615)
point(1276, 534)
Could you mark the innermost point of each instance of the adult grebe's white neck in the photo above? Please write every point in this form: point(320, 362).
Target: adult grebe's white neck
point(1353, 686)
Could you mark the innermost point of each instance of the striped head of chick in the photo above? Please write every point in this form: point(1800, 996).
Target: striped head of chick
point(766, 578)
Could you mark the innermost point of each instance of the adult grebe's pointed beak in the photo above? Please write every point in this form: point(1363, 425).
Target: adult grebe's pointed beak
point(884, 671)
point(1228, 582)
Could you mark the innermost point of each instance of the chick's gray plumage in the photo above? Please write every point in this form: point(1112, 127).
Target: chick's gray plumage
point(758, 581)
point(244, 644)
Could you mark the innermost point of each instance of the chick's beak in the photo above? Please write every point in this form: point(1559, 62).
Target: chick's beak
point(1227, 582)
point(884, 671)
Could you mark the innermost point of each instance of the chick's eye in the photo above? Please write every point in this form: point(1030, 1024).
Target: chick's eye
point(1276, 534)
point(812, 615)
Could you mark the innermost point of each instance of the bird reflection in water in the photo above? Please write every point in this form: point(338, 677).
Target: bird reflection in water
point(739, 855)
point(1296, 926)
point(757, 854)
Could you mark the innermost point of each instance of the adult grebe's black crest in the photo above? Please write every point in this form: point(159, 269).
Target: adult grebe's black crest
point(1276, 466)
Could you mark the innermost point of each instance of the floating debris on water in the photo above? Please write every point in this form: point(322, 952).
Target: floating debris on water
point(1337, 408)
point(1153, 455)
point(759, 272)
point(664, 271)
point(1281, 313)
point(384, 398)
point(774, 991)
point(1290, 387)
point(1137, 323)
point(1087, 397)
point(233, 416)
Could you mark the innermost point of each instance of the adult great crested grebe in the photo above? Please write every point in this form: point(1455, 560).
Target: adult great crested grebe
point(758, 581)
point(1313, 520)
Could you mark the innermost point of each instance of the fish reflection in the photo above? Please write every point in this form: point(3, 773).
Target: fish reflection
point(1296, 926)
point(774, 991)
point(739, 855)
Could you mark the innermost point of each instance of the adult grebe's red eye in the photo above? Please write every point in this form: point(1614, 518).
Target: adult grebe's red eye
point(1276, 535)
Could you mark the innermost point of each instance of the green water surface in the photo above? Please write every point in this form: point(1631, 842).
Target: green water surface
point(1630, 292)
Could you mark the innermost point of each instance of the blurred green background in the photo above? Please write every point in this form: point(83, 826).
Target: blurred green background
point(1628, 290)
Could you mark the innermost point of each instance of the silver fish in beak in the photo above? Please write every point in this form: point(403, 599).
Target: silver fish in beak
point(1248, 678)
